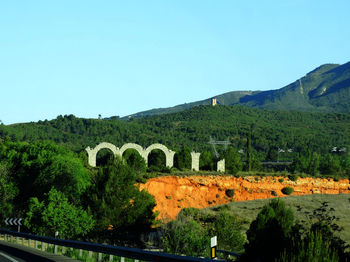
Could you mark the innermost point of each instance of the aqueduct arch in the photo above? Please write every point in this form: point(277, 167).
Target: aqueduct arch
point(137, 147)
point(169, 154)
point(92, 153)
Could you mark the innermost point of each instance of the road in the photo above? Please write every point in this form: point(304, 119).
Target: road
point(6, 257)
point(18, 253)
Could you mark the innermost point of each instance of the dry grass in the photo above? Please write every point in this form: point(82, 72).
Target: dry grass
point(248, 210)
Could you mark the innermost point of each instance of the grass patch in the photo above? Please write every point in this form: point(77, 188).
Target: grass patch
point(248, 210)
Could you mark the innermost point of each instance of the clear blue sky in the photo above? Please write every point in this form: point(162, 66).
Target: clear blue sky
point(114, 57)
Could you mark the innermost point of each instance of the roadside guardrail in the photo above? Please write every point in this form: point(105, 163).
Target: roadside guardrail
point(100, 249)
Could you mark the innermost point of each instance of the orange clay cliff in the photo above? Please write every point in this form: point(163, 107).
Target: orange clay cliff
point(174, 193)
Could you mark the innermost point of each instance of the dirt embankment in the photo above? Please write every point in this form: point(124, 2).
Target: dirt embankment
point(174, 193)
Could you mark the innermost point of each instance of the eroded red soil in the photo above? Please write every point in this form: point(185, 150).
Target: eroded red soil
point(174, 193)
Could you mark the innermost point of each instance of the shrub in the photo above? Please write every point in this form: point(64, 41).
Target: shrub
point(230, 192)
point(287, 190)
point(189, 212)
point(228, 229)
point(185, 236)
point(293, 177)
point(312, 248)
point(281, 180)
point(268, 234)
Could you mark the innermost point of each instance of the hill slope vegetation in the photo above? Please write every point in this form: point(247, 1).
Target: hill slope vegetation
point(325, 89)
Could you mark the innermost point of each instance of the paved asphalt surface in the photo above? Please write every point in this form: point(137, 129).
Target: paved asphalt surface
point(17, 253)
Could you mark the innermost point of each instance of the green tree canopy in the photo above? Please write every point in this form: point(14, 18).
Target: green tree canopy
point(114, 199)
point(183, 159)
point(56, 214)
point(135, 161)
point(8, 191)
point(268, 234)
point(38, 167)
point(233, 161)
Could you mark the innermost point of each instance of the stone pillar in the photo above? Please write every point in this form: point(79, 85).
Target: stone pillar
point(144, 155)
point(91, 156)
point(169, 158)
point(195, 161)
point(221, 165)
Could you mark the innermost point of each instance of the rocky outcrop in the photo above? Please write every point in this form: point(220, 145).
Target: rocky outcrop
point(174, 193)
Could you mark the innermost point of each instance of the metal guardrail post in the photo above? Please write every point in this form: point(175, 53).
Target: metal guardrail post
point(99, 257)
point(36, 244)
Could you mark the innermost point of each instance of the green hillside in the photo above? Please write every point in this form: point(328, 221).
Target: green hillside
point(193, 128)
point(325, 89)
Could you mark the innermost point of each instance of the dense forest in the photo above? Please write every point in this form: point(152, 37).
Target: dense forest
point(308, 139)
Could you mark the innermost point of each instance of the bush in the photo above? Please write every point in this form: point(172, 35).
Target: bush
point(281, 180)
point(230, 192)
point(336, 178)
point(189, 212)
point(287, 190)
point(293, 177)
point(185, 236)
point(228, 229)
point(312, 248)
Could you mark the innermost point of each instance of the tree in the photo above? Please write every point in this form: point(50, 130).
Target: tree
point(38, 167)
point(183, 158)
point(8, 191)
point(56, 214)
point(115, 200)
point(269, 233)
point(156, 160)
point(330, 165)
point(249, 150)
point(233, 161)
point(135, 161)
point(206, 161)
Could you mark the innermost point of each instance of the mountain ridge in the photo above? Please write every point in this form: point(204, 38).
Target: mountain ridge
point(324, 89)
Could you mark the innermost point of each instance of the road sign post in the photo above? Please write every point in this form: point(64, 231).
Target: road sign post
point(213, 244)
point(14, 222)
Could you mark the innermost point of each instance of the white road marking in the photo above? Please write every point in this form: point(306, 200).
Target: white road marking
point(8, 257)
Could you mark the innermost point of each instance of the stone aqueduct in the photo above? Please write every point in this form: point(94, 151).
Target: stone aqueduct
point(144, 152)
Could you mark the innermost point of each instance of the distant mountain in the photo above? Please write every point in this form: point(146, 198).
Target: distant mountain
point(325, 89)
